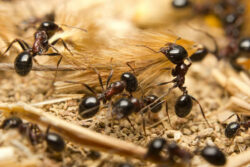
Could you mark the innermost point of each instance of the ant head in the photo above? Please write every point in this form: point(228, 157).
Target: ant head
point(23, 63)
point(199, 54)
point(122, 108)
point(12, 122)
point(231, 129)
point(50, 27)
point(155, 147)
point(89, 106)
point(151, 99)
point(130, 80)
point(55, 142)
point(180, 3)
point(175, 53)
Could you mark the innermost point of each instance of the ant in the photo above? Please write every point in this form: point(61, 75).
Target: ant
point(89, 105)
point(213, 155)
point(233, 127)
point(23, 62)
point(158, 145)
point(177, 55)
point(34, 133)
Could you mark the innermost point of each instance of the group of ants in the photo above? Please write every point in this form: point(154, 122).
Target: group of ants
point(128, 104)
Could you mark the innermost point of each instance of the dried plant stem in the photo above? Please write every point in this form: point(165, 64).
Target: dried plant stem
point(239, 160)
point(75, 133)
point(239, 105)
point(10, 66)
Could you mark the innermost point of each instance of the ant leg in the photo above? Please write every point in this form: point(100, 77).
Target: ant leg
point(64, 44)
point(168, 114)
point(165, 83)
point(109, 77)
point(23, 45)
point(130, 123)
point(57, 65)
point(99, 78)
point(85, 85)
point(202, 112)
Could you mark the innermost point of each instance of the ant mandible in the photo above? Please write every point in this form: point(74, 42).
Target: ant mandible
point(23, 62)
point(177, 54)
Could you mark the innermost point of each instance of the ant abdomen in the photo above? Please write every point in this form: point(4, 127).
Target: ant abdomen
point(138, 104)
point(122, 108)
point(199, 54)
point(23, 63)
point(183, 105)
point(213, 155)
point(89, 106)
point(244, 44)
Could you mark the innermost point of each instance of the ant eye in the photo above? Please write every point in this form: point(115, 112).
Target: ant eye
point(180, 3)
point(90, 103)
point(183, 106)
point(48, 26)
point(130, 80)
point(175, 53)
point(23, 63)
point(213, 155)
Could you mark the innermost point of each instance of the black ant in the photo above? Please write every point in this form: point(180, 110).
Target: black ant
point(233, 127)
point(23, 62)
point(213, 155)
point(89, 105)
point(159, 145)
point(177, 54)
point(34, 133)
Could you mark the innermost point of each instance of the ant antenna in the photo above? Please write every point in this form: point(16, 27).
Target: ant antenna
point(74, 27)
point(148, 48)
point(202, 112)
point(216, 48)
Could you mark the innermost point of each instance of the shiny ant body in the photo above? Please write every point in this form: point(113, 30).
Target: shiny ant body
point(233, 127)
point(54, 141)
point(159, 145)
point(23, 62)
point(177, 55)
point(213, 155)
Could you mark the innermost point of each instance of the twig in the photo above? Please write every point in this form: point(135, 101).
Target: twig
point(78, 134)
point(239, 105)
point(239, 160)
point(10, 66)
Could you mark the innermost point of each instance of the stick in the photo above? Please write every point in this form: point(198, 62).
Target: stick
point(78, 134)
point(239, 160)
point(10, 66)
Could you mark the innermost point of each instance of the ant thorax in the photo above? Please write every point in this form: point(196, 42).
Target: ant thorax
point(41, 42)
